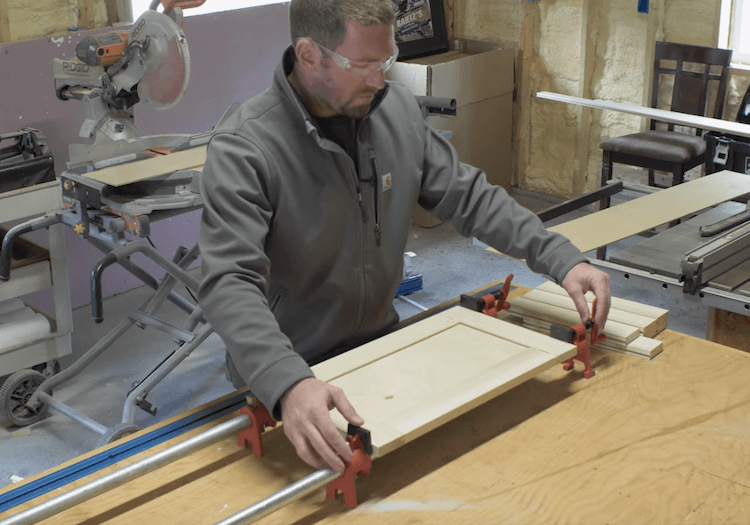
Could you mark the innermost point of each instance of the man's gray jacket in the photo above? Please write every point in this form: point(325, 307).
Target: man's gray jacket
point(302, 254)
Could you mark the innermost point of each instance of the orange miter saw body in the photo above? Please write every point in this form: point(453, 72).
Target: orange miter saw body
point(104, 49)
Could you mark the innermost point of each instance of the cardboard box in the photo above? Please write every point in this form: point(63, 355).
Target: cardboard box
point(480, 76)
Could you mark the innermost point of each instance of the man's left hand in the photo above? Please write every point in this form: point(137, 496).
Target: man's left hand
point(579, 280)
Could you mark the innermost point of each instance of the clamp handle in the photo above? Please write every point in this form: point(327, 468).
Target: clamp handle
point(578, 337)
point(492, 303)
point(596, 337)
point(260, 418)
point(360, 463)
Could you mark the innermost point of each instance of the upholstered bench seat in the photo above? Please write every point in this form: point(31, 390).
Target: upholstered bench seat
point(662, 145)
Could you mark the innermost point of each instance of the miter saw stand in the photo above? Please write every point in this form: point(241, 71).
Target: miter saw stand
point(150, 64)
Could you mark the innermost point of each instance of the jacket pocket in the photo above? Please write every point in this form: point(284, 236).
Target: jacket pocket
point(277, 300)
point(377, 191)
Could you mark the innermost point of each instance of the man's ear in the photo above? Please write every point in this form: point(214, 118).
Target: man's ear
point(308, 54)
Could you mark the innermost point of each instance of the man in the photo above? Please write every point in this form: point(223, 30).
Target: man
point(309, 189)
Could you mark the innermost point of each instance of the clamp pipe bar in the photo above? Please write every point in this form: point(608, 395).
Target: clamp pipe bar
point(284, 497)
point(122, 253)
point(6, 253)
point(86, 421)
point(98, 486)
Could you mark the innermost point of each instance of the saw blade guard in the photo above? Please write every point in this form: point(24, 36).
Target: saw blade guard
point(166, 59)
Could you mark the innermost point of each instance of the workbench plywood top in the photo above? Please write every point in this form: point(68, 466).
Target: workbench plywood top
point(642, 442)
point(410, 382)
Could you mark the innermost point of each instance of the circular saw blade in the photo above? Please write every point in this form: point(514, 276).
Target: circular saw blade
point(166, 60)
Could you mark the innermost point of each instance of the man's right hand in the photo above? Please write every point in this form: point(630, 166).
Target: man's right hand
point(304, 411)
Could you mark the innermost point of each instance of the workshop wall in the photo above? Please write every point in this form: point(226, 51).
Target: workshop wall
point(588, 48)
point(28, 19)
point(585, 48)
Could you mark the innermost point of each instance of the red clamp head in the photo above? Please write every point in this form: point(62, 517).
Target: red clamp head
point(497, 301)
point(260, 420)
point(584, 354)
point(359, 464)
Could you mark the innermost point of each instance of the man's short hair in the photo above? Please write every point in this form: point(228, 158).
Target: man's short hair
point(323, 20)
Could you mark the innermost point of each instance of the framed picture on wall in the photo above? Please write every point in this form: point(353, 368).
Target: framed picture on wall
point(420, 28)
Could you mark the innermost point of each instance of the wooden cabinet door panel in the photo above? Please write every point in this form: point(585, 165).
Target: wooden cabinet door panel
point(412, 381)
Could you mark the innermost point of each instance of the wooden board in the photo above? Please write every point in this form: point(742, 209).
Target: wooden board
point(683, 119)
point(645, 325)
point(414, 380)
point(619, 308)
point(5, 36)
point(630, 218)
point(139, 170)
point(566, 317)
point(642, 346)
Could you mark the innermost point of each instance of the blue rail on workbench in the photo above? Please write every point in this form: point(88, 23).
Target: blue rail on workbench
point(83, 468)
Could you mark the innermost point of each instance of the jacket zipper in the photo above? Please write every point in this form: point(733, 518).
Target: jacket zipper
point(361, 238)
point(376, 190)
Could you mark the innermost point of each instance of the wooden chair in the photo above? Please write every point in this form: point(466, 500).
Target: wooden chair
point(666, 149)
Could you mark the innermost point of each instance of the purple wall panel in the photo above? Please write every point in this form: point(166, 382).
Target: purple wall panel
point(232, 57)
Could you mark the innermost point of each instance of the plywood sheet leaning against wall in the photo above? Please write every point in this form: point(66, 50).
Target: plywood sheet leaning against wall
point(412, 381)
point(630, 327)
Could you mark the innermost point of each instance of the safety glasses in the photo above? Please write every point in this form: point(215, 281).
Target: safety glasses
point(361, 69)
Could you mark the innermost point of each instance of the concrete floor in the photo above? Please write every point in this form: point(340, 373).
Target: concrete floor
point(449, 264)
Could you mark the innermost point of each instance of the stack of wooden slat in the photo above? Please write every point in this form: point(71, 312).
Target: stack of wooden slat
point(630, 326)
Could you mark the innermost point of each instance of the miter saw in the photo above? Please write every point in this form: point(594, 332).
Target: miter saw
point(112, 72)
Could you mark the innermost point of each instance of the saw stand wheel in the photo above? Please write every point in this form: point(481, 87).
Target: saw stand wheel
point(15, 393)
point(117, 432)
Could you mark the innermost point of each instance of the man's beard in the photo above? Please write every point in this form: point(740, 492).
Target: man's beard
point(358, 111)
point(351, 110)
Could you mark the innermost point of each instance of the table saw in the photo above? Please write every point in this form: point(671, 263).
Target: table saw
point(644, 441)
point(710, 269)
point(706, 268)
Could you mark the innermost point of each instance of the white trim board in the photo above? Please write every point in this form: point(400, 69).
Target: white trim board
point(683, 119)
point(620, 310)
point(616, 303)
